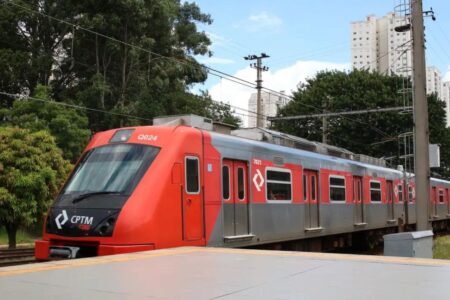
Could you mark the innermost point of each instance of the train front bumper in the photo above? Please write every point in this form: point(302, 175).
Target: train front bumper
point(44, 250)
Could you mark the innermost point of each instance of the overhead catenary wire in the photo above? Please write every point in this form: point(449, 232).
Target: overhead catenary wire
point(185, 62)
point(74, 106)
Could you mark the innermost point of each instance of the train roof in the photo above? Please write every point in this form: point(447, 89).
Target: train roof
point(261, 146)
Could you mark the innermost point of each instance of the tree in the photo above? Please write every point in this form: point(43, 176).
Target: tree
point(374, 134)
point(68, 126)
point(31, 43)
point(32, 170)
point(144, 53)
point(108, 75)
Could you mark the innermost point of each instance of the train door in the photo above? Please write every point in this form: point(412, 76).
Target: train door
point(235, 198)
point(390, 200)
point(192, 200)
point(311, 197)
point(358, 200)
point(447, 195)
point(434, 201)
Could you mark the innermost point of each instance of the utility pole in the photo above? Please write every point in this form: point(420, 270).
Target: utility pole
point(259, 69)
point(421, 157)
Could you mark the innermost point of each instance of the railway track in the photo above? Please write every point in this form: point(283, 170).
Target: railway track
point(18, 256)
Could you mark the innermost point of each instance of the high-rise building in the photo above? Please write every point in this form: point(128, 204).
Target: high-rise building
point(270, 105)
point(376, 46)
point(434, 81)
point(446, 99)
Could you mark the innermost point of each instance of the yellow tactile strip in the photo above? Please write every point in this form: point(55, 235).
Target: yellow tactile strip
point(65, 264)
point(337, 257)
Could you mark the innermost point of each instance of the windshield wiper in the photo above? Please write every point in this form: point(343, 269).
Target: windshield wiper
point(87, 195)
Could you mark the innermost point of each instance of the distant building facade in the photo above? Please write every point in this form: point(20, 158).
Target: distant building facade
point(270, 105)
point(446, 98)
point(434, 81)
point(376, 46)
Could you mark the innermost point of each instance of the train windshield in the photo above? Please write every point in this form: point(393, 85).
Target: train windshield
point(113, 169)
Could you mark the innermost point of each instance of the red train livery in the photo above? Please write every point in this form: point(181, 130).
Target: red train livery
point(154, 187)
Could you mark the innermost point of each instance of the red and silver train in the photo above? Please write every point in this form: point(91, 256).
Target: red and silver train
point(154, 187)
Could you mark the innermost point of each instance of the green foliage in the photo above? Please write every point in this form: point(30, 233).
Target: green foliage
point(22, 237)
point(101, 73)
point(32, 171)
point(115, 77)
point(441, 247)
point(68, 126)
point(374, 134)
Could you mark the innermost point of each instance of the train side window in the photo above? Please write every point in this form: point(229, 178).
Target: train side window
point(337, 188)
point(226, 182)
point(441, 196)
point(241, 187)
point(400, 193)
point(279, 184)
point(375, 191)
point(313, 187)
point(192, 175)
point(410, 193)
point(305, 194)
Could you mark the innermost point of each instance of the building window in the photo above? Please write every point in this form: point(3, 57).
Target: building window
point(375, 191)
point(226, 182)
point(192, 175)
point(279, 184)
point(337, 188)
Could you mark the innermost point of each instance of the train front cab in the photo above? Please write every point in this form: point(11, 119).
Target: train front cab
point(163, 207)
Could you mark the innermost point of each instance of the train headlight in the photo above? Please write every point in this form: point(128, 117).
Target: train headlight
point(106, 227)
point(121, 136)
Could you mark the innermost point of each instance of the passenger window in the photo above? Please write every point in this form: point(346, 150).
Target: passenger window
point(278, 185)
point(305, 194)
point(192, 175)
point(410, 193)
point(400, 193)
point(241, 187)
point(359, 191)
point(375, 191)
point(226, 182)
point(337, 188)
point(441, 196)
point(313, 187)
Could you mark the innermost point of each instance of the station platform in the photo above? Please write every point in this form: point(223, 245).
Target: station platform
point(218, 273)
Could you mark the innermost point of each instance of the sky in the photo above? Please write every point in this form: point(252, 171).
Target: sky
point(301, 37)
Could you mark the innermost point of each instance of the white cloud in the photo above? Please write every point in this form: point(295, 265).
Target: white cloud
point(262, 21)
point(285, 79)
point(216, 61)
point(447, 75)
point(217, 39)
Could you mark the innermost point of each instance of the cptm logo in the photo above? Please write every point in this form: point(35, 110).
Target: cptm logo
point(62, 219)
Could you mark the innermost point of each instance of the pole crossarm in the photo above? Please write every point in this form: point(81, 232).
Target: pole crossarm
point(342, 113)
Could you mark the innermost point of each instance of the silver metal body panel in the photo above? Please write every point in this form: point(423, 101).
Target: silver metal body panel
point(213, 273)
point(273, 222)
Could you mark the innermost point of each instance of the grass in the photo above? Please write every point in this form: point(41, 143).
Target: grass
point(23, 237)
point(441, 247)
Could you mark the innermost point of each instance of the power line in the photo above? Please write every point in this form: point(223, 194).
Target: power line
point(226, 76)
point(19, 97)
point(342, 113)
